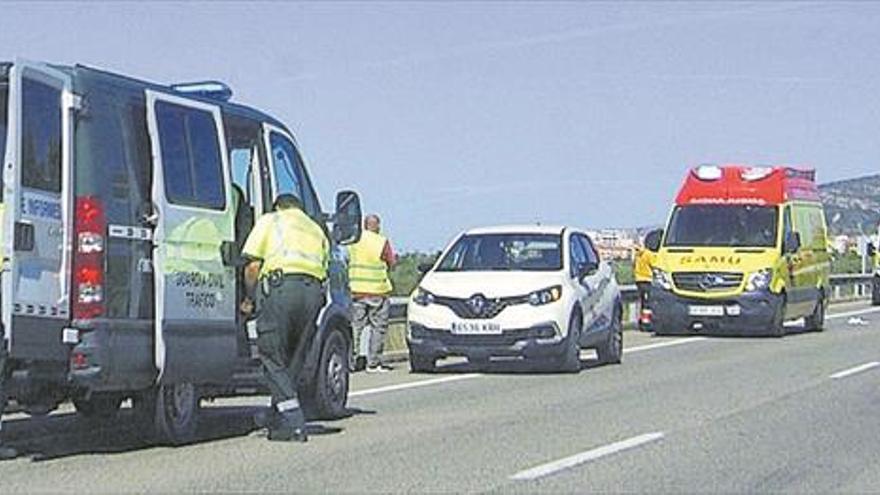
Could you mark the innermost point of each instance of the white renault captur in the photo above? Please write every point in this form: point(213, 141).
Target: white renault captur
point(526, 291)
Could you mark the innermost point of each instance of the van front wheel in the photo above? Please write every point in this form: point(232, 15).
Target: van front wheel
point(327, 397)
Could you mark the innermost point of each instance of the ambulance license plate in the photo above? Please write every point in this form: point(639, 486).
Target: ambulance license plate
point(475, 327)
point(706, 310)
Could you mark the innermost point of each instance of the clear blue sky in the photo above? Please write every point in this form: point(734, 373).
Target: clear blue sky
point(451, 115)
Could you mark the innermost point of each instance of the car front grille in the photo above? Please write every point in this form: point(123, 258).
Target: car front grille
point(707, 281)
point(488, 308)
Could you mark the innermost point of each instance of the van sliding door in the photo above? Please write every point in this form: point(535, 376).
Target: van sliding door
point(195, 334)
point(36, 220)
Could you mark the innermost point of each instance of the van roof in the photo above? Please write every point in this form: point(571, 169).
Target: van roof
point(747, 185)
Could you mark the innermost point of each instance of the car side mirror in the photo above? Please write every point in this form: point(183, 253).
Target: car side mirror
point(424, 268)
point(347, 218)
point(792, 243)
point(653, 239)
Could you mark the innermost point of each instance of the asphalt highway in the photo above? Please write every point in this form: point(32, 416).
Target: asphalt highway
point(694, 414)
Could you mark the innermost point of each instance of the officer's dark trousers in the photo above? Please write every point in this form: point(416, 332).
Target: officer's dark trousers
point(286, 327)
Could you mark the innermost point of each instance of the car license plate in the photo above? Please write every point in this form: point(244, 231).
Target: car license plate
point(475, 327)
point(706, 310)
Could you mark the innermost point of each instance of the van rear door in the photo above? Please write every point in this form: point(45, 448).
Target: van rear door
point(36, 220)
point(195, 333)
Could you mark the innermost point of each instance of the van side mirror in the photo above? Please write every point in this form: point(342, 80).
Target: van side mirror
point(653, 239)
point(347, 218)
point(792, 243)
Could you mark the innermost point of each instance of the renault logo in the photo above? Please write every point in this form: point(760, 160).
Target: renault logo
point(477, 304)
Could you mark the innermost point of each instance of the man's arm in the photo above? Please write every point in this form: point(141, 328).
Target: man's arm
point(388, 255)
point(251, 278)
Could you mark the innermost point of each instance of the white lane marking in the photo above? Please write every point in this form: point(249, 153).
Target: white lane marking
point(856, 369)
point(851, 313)
point(658, 345)
point(409, 385)
point(584, 457)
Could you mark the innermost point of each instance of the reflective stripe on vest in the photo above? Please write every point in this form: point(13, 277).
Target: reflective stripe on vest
point(299, 245)
point(367, 272)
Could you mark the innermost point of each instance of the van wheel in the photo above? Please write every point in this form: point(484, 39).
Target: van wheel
point(327, 397)
point(777, 326)
point(177, 410)
point(422, 364)
point(98, 406)
point(816, 321)
point(571, 356)
point(611, 351)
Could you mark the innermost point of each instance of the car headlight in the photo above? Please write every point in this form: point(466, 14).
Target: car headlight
point(661, 279)
point(545, 296)
point(423, 297)
point(759, 280)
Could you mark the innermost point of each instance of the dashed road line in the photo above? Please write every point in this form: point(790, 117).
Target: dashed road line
point(590, 455)
point(854, 370)
point(658, 345)
point(409, 385)
point(845, 314)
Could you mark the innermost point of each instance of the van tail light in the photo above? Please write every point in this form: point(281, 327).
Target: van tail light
point(90, 227)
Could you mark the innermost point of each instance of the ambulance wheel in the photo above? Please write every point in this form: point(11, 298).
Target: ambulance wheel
point(777, 325)
point(875, 292)
point(326, 398)
point(98, 406)
point(177, 408)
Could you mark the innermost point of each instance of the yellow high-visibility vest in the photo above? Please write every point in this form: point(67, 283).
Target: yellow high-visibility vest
point(642, 269)
point(367, 272)
point(289, 241)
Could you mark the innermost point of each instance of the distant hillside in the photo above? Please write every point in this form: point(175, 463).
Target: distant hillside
point(852, 206)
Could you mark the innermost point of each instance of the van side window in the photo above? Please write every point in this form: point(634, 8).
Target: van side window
point(190, 156)
point(808, 222)
point(290, 176)
point(41, 136)
point(786, 222)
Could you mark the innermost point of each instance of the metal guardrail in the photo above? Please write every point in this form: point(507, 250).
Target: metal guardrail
point(844, 286)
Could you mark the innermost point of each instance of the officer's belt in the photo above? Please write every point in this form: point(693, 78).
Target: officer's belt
point(276, 277)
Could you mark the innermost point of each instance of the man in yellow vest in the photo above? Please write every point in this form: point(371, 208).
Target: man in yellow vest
point(643, 274)
point(369, 261)
point(287, 254)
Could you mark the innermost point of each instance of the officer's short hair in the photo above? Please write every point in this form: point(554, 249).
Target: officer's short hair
point(287, 202)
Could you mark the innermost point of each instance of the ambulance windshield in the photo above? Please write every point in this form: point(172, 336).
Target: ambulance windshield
point(723, 226)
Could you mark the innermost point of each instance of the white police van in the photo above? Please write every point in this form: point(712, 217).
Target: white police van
point(123, 205)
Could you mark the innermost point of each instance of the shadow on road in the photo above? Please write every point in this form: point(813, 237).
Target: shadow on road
point(64, 435)
point(513, 367)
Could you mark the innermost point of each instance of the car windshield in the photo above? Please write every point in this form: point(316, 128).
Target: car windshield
point(504, 252)
point(723, 226)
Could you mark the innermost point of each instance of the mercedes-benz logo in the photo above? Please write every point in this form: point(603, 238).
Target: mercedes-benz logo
point(711, 280)
point(477, 303)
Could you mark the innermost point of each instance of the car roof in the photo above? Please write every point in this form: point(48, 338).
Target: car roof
point(519, 229)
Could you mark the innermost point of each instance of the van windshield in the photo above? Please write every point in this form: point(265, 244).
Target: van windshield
point(723, 226)
point(504, 252)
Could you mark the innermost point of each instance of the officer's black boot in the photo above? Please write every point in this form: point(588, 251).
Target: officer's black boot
point(7, 452)
point(291, 427)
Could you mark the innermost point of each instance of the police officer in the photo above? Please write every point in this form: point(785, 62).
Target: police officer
point(287, 254)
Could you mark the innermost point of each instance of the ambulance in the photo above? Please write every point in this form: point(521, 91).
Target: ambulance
point(744, 251)
point(124, 205)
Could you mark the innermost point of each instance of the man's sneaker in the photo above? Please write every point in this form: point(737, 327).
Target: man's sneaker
point(381, 368)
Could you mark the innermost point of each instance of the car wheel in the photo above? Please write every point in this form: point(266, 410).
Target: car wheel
point(611, 351)
point(98, 406)
point(571, 356)
point(327, 396)
point(422, 364)
point(777, 326)
point(816, 321)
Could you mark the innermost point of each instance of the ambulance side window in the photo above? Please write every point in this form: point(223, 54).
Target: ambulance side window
point(191, 160)
point(786, 222)
point(41, 136)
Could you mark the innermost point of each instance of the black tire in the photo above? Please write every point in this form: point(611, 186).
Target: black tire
point(875, 292)
point(777, 326)
point(177, 411)
point(98, 406)
point(421, 364)
point(571, 356)
point(327, 397)
point(611, 351)
point(816, 321)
